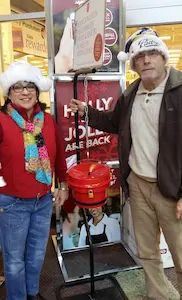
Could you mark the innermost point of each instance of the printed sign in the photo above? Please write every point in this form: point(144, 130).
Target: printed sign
point(64, 35)
point(102, 95)
point(29, 37)
point(89, 35)
point(107, 229)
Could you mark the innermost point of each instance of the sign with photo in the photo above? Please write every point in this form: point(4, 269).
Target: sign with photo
point(102, 95)
point(104, 224)
point(64, 34)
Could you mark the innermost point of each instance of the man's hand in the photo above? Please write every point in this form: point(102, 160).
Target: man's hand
point(77, 105)
point(179, 209)
point(61, 197)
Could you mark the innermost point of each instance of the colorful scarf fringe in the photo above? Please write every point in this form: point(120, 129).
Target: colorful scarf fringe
point(36, 155)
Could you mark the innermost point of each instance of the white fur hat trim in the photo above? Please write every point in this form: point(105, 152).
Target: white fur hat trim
point(23, 71)
point(122, 56)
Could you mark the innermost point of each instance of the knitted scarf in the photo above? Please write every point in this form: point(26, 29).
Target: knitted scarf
point(36, 155)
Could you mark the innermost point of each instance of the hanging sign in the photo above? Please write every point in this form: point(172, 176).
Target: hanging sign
point(103, 96)
point(64, 34)
point(89, 35)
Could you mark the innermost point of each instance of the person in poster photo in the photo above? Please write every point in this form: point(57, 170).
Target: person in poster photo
point(71, 230)
point(147, 118)
point(102, 228)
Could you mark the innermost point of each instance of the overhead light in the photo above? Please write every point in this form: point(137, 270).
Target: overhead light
point(175, 50)
point(167, 37)
point(173, 62)
point(175, 55)
point(39, 65)
point(174, 59)
point(36, 62)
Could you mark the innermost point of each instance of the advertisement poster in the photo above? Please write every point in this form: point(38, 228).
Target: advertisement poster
point(29, 37)
point(102, 146)
point(104, 224)
point(64, 27)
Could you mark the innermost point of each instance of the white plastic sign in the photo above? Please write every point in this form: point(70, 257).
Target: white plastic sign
point(89, 35)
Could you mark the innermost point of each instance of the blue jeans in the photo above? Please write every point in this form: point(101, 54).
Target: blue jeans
point(24, 231)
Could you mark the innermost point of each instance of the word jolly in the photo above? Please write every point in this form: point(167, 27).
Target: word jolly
point(82, 133)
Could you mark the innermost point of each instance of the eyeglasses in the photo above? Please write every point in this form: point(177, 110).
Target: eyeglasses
point(19, 88)
point(151, 53)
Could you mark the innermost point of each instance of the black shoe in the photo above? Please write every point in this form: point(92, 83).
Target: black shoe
point(32, 297)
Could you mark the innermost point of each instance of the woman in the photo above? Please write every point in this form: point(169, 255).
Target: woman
point(102, 228)
point(30, 152)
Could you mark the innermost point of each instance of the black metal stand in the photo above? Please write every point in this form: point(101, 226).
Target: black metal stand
point(91, 248)
point(102, 293)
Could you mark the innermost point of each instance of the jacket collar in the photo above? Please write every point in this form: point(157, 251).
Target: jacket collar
point(133, 87)
point(174, 80)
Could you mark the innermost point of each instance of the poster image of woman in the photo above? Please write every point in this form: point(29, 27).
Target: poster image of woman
point(102, 228)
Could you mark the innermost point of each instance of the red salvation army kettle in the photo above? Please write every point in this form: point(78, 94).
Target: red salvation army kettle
point(89, 182)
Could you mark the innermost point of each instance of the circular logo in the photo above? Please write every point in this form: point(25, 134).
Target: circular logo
point(98, 47)
point(111, 36)
point(109, 17)
point(107, 56)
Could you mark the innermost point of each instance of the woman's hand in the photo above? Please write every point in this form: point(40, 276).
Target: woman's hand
point(61, 197)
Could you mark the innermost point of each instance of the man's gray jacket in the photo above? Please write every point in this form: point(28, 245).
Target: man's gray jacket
point(169, 162)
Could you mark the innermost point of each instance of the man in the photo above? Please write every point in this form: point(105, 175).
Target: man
point(148, 121)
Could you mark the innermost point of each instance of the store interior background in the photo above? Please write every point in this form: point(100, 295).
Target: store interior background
point(170, 34)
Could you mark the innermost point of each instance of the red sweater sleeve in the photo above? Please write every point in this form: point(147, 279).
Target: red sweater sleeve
point(60, 163)
point(1, 139)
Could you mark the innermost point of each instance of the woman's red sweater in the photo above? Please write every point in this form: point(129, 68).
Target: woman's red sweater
point(21, 183)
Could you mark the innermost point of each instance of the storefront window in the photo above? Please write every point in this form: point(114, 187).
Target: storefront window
point(172, 37)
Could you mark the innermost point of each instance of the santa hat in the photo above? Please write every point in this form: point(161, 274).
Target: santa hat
point(144, 39)
point(23, 71)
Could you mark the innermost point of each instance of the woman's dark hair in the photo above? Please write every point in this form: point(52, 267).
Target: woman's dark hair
point(7, 101)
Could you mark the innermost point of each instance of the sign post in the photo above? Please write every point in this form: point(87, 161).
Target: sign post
point(88, 53)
